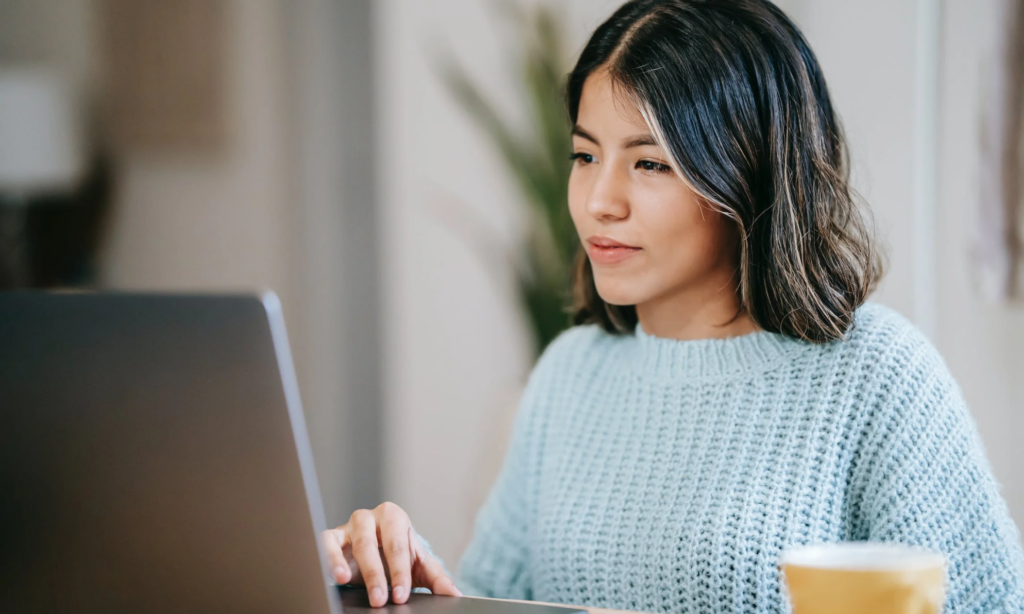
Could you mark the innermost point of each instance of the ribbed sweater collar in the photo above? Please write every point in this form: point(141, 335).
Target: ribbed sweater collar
point(665, 358)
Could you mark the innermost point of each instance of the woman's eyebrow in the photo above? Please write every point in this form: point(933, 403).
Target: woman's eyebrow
point(640, 140)
point(580, 132)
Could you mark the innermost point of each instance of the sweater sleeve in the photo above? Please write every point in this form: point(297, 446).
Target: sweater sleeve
point(929, 484)
point(495, 562)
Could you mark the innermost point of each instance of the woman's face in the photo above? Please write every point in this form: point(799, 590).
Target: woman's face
point(647, 234)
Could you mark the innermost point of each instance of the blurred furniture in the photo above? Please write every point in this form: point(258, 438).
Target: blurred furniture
point(40, 155)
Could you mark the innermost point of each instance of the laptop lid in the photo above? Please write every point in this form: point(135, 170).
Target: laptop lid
point(154, 458)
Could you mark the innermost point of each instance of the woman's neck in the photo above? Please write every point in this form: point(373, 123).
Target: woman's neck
point(696, 313)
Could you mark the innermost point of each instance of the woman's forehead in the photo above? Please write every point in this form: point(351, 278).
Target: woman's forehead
point(607, 108)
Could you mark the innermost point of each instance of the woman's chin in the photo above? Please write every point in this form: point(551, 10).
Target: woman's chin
point(618, 294)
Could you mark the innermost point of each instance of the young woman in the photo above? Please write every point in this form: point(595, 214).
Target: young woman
point(726, 392)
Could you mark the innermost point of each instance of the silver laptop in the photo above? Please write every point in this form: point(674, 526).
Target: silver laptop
point(154, 458)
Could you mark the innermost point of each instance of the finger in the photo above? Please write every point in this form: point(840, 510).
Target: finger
point(429, 572)
point(365, 549)
point(334, 544)
point(394, 537)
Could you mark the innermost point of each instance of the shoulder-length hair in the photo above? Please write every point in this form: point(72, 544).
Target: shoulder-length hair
point(735, 97)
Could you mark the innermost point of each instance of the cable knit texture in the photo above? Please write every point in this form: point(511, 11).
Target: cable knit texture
point(661, 475)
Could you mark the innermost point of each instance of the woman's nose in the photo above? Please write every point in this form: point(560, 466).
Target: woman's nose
point(608, 199)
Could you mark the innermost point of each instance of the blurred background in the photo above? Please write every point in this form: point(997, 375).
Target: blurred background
point(393, 169)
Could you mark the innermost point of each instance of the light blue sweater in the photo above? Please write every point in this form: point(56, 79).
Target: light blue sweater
point(660, 475)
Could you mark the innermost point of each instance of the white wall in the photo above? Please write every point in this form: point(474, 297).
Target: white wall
point(454, 347)
point(455, 351)
point(193, 220)
point(983, 344)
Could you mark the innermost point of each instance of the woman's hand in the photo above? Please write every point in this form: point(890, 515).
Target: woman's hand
point(378, 544)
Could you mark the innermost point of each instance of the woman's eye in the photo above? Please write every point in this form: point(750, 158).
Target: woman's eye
point(651, 165)
point(582, 157)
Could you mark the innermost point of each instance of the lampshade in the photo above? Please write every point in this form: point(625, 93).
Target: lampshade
point(40, 139)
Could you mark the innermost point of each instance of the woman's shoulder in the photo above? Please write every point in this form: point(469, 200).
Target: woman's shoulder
point(891, 341)
point(880, 322)
point(900, 364)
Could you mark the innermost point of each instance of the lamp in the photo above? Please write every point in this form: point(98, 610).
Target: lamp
point(40, 151)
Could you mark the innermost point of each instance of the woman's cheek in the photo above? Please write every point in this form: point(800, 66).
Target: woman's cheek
point(674, 244)
point(577, 200)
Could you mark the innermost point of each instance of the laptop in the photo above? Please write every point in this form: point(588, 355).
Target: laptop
point(154, 458)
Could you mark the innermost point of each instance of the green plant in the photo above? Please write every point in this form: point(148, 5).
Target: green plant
point(539, 162)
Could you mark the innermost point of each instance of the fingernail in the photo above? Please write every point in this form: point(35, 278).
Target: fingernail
point(398, 593)
point(378, 594)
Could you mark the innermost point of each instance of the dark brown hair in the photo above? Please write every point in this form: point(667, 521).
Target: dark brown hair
point(736, 98)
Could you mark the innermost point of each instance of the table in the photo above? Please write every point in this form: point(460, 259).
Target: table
point(559, 605)
point(354, 601)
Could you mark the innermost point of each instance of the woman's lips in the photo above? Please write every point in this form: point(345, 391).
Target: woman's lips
point(607, 251)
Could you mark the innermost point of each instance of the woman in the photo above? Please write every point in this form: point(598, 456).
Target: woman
point(727, 392)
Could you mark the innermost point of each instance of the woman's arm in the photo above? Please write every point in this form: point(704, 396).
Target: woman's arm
point(495, 562)
point(927, 482)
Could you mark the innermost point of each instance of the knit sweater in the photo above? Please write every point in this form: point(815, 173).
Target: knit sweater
point(661, 475)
